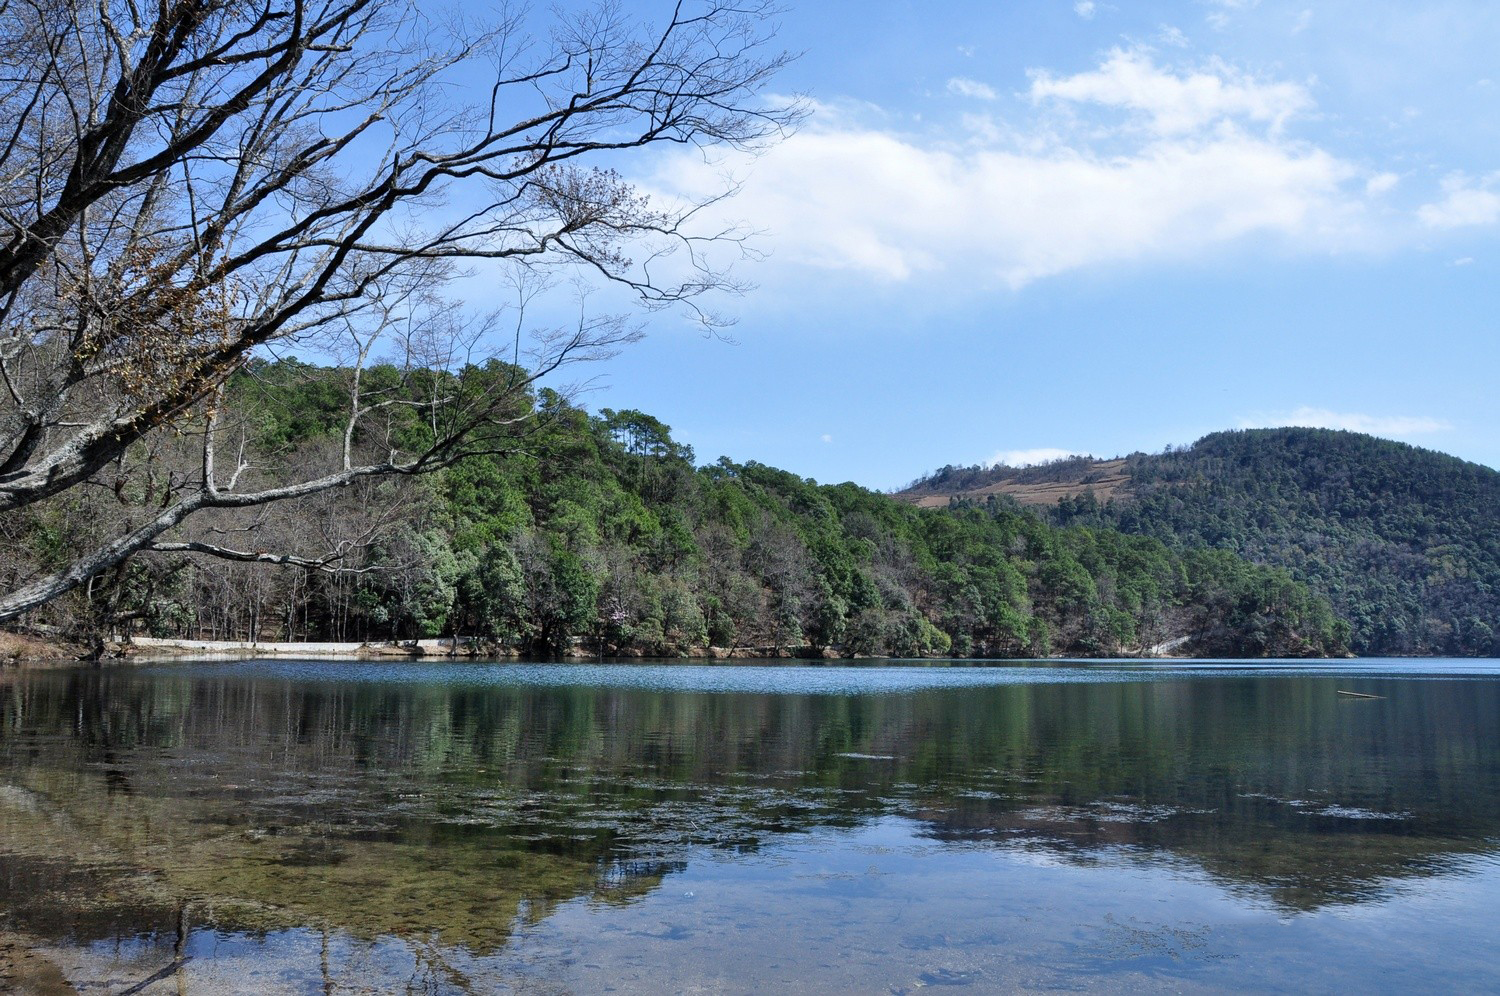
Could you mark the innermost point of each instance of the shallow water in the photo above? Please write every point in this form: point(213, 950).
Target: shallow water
point(342, 826)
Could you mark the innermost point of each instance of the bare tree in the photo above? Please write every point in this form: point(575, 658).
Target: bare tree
point(186, 181)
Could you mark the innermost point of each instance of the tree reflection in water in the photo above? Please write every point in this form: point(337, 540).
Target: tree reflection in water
point(442, 817)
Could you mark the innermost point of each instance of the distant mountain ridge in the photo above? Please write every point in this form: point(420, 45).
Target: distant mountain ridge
point(1403, 541)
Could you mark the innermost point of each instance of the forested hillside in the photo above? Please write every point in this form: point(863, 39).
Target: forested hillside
point(1405, 542)
point(599, 531)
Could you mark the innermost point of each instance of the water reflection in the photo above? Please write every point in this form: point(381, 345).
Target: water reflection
point(196, 806)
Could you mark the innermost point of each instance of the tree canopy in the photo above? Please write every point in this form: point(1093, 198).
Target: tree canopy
point(602, 534)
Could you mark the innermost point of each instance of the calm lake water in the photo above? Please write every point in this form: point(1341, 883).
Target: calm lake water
point(318, 827)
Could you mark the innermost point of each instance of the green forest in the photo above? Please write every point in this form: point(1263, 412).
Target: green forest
point(598, 533)
point(1404, 542)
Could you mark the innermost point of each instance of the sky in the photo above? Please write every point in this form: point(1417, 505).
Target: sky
point(1010, 231)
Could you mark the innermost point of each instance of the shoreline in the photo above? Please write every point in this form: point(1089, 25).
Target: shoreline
point(19, 649)
point(24, 651)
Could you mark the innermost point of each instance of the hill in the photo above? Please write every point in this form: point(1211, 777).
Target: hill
point(1403, 541)
point(601, 533)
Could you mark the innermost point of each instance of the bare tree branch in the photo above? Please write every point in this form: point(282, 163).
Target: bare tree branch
point(329, 565)
point(185, 183)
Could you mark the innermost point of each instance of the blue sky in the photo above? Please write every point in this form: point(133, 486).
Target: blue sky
point(1017, 229)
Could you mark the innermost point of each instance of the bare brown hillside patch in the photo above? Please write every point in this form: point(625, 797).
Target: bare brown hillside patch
point(1106, 478)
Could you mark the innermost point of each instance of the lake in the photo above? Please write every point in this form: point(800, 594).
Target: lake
point(322, 827)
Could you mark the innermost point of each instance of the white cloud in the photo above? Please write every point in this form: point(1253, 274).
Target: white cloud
point(1029, 458)
point(1085, 9)
point(1010, 201)
point(1175, 103)
point(1381, 183)
point(1393, 426)
point(1463, 261)
point(867, 200)
point(1219, 16)
point(972, 88)
point(1465, 202)
point(826, 438)
point(1172, 36)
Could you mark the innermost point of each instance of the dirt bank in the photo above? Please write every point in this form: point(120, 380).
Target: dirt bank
point(21, 648)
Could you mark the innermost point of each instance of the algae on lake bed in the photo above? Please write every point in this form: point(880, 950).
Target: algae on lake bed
point(506, 831)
